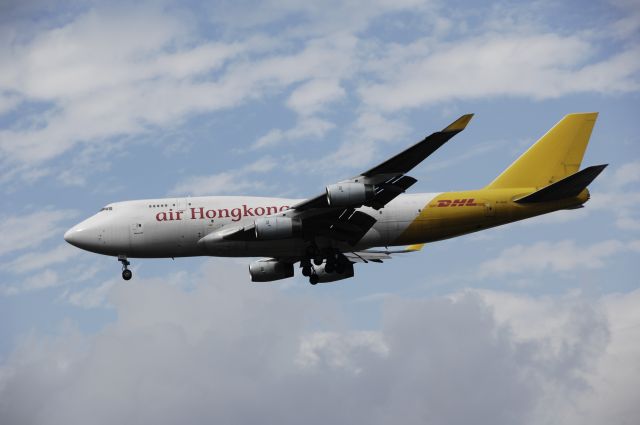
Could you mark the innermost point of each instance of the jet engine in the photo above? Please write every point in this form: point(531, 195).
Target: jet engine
point(269, 270)
point(324, 277)
point(349, 194)
point(268, 228)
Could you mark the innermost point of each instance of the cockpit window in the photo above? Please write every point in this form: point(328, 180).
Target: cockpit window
point(106, 208)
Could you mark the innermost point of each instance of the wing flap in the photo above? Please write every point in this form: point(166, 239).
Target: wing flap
point(365, 257)
point(378, 256)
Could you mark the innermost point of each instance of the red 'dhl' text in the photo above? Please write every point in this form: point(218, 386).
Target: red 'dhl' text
point(235, 214)
point(457, 203)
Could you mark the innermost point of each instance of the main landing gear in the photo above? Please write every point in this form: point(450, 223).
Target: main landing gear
point(309, 271)
point(334, 262)
point(126, 273)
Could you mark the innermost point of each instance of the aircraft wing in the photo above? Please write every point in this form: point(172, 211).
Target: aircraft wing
point(382, 184)
point(389, 177)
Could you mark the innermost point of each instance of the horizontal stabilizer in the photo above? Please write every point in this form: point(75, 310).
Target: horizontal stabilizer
point(566, 188)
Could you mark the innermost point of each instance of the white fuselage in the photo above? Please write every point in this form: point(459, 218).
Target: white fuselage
point(172, 227)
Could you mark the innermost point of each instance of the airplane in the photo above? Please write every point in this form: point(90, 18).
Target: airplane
point(353, 221)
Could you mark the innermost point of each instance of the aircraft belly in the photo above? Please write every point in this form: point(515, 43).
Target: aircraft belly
point(273, 248)
point(376, 236)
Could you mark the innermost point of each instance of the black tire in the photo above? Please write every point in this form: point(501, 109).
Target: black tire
point(314, 279)
point(126, 274)
point(318, 260)
point(306, 271)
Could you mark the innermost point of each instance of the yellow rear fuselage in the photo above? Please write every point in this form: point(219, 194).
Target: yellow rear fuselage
point(451, 214)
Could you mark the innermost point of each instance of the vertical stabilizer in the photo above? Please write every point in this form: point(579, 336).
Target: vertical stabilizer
point(553, 157)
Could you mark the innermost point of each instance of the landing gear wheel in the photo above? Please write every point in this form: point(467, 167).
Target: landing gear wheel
point(306, 271)
point(318, 260)
point(314, 279)
point(126, 273)
point(329, 267)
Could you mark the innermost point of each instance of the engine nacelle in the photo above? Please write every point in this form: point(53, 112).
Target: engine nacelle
point(324, 277)
point(269, 228)
point(349, 194)
point(269, 270)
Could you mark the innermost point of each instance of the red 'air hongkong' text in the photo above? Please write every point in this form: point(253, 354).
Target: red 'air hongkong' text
point(235, 214)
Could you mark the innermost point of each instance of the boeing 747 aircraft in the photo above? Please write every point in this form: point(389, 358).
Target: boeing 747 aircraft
point(345, 224)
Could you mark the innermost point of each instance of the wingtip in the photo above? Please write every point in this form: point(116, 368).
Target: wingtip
point(460, 123)
point(600, 167)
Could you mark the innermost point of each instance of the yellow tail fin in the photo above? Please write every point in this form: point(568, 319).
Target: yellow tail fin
point(554, 156)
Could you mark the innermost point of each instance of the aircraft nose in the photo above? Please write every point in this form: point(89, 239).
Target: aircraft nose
point(74, 236)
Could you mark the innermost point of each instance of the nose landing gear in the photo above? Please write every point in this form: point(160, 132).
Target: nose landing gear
point(126, 273)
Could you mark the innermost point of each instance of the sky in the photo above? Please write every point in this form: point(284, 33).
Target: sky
point(536, 322)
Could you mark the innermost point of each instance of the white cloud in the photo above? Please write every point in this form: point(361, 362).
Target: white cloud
point(8, 101)
point(62, 266)
point(36, 260)
point(626, 174)
point(538, 66)
point(307, 101)
point(629, 24)
point(308, 127)
point(559, 256)
point(310, 18)
point(570, 323)
point(91, 297)
point(314, 96)
point(216, 184)
point(228, 182)
point(149, 73)
point(102, 75)
point(194, 355)
point(479, 149)
point(46, 279)
point(361, 147)
point(30, 230)
point(619, 196)
point(336, 350)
